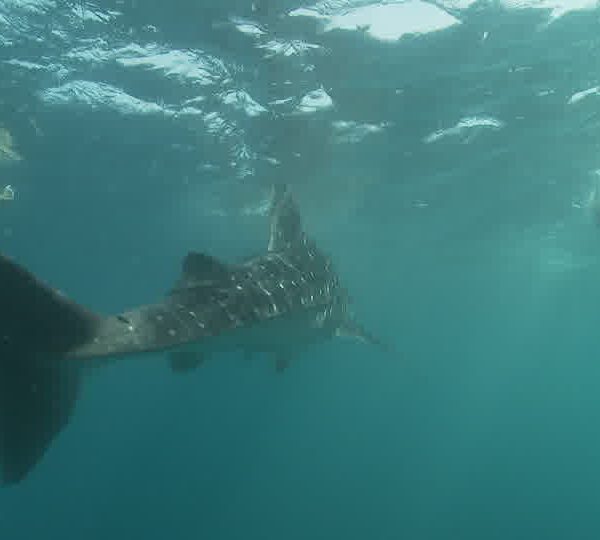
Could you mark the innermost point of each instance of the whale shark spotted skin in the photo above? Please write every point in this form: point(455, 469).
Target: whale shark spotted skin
point(276, 303)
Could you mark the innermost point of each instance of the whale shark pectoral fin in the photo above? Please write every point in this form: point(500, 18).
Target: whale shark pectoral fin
point(351, 329)
point(282, 362)
point(249, 354)
point(183, 362)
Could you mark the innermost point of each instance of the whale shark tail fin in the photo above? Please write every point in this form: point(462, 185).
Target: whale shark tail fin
point(38, 386)
point(36, 402)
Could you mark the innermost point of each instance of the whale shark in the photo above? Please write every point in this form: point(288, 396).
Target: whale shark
point(277, 304)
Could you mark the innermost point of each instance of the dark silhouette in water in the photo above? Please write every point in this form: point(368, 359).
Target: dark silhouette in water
point(276, 303)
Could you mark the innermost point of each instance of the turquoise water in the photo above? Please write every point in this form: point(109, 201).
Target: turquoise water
point(447, 172)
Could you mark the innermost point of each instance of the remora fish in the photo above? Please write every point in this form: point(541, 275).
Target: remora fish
point(276, 303)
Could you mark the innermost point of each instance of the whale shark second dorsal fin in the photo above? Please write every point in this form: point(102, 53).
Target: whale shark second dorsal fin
point(286, 225)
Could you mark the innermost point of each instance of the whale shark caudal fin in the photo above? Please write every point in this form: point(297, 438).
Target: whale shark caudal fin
point(38, 387)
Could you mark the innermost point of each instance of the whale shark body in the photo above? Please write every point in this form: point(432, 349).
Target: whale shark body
point(276, 303)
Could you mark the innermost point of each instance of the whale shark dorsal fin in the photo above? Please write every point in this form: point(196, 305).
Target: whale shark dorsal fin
point(200, 269)
point(286, 225)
